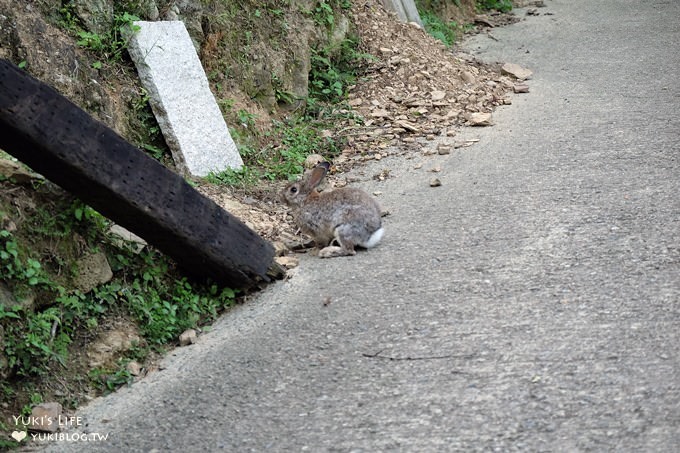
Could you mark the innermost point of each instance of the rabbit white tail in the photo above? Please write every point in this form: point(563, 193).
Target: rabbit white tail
point(374, 239)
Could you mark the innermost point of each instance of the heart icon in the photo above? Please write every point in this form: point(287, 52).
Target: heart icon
point(19, 435)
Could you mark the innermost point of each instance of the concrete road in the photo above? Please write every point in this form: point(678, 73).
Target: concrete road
point(530, 303)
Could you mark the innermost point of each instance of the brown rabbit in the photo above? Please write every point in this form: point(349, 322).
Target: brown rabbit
point(348, 215)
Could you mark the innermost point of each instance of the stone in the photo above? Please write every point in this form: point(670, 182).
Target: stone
point(313, 160)
point(187, 337)
point(435, 182)
point(134, 368)
point(520, 88)
point(93, 270)
point(111, 343)
point(480, 119)
point(15, 172)
point(407, 125)
point(516, 71)
point(289, 262)
point(180, 97)
point(97, 15)
point(443, 149)
point(122, 237)
point(380, 113)
point(280, 248)
point(24, 299)
point(45, 417)
point(484, 20)
point(438, 95)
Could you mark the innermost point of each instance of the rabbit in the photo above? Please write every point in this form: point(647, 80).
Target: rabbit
point(348, 216)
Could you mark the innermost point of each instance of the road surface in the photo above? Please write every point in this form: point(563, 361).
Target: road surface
point(530, 303)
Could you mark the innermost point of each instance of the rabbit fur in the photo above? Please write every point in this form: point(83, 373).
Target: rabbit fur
point(347, 216)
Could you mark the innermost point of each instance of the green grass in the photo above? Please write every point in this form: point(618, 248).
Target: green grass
point(499, 5)
point(446, 32)
point(145, 286)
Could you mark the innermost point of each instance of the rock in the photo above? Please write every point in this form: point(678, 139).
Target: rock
point(407, 125)
point(484, 20)
point(124, 237)
point(380, 113)
point(45, 417)
point(435, 182)
point(520, 88)
point(516, 71)
point(313, 160)
point(436, 169)
point(438, 95)
point(356, 102)
point(97, 15)
point(418, 166)
point(467, 77)
point(9, 299)
point(134, 368)
point(187, 337)
point(15, 172)
point(443, 149)
point(180, 96)
point(111, 343)
point(93, 270)
point(289, 262)
point(279, 248)
point(480, 119)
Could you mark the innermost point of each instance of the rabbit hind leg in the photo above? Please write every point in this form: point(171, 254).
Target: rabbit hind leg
point(345, 245)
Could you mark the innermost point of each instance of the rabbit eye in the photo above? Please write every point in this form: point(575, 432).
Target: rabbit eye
point(293, 190)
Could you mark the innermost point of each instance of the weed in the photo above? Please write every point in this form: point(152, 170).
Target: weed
point(165, 307)
point(148, 288)
point(246, 119)
point(109, 380)
point(149, 137)
point(280, 94)
point(244, 177)
point(499, 5)
point(32, 341)
point(323, 12)
point(111, 44)
point(298, 138)
point(334, 69)
point(437, 28)
point(12, 267)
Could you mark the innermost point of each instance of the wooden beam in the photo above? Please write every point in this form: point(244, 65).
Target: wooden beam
point(62, 142)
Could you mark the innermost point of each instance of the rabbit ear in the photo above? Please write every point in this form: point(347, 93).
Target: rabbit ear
point(317, 174)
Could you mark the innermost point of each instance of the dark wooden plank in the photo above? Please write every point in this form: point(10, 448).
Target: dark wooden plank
point(56, 138)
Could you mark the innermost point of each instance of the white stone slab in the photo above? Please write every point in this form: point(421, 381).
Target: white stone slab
point(180, 97)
